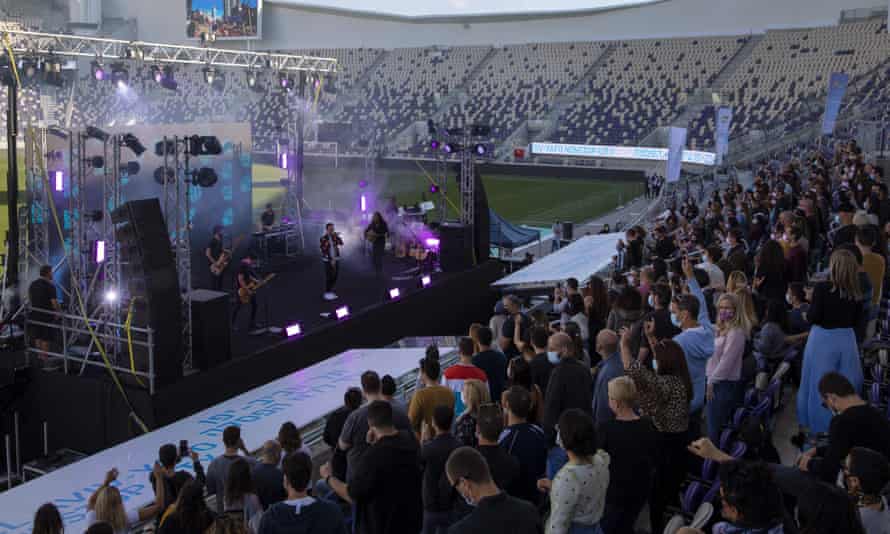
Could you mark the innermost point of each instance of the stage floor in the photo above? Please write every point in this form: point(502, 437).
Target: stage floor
point(295, 295)
point(301, 397)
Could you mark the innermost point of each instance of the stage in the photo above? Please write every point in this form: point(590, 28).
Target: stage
point(301, 397)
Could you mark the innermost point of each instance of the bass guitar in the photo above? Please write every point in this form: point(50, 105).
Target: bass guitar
point(247, 292)
point(217, 267)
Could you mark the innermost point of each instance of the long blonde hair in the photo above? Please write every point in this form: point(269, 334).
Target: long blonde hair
point(723, 327)
point(110, 508)
point(746, 309)
point(474, 335)
point(736, 280)
point(844, 274)
point(475, 394)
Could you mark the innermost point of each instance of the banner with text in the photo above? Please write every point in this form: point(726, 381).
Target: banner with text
point(721, 132)
point(675, 153)
point(837, 86)
point(695, 157)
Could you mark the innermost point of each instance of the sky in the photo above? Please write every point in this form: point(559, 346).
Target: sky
point(428, 8)
point(207, 5)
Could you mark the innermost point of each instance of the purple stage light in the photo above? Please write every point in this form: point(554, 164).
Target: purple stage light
point(425, 280)
point(283, 160)
point(434, 188)
point(364, 204)
point(481, 150)
point(448, 148)
point(342, 312)
point(60, 181)
point(99, 74)
point(293, 330)
point(394, 293)
point(363, 184)
point(434, 144)
point(100, 251)
point(432, 242)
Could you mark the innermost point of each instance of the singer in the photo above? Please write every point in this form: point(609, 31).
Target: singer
point(330, 257)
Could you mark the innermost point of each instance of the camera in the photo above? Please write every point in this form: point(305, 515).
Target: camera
point(184, 448)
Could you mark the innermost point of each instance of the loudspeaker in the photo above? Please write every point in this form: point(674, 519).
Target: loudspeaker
point(149, 270)
point(455, 248)
point(211, 336)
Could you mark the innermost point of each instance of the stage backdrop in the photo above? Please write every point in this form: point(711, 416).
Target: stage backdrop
point(228, 203)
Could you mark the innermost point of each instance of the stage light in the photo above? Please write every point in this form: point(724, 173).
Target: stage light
point(130, 168)
point(432, 242)
point(203, 145)
point(97, 162)
point(434, 188)
point(434, 144)
point(342, 312)
point(96, 133)
point(480, 149)
point(120, 76)
point(27, 66)
point(363, 184)
point(209, 75)
point(60, 182)
point(156, 74)
point(425, 280)
point(167, 80)
point(394, 293)
point(100, 251)
point(448, 148)
point(205, 177)
point(284, 82)
point(251, 79)
point(111, 296)
point(282, 160)
point(165, 147)
point(98, 70)
point(164, 175)
point(364, 204)
point(293, 330)
point(132, 142)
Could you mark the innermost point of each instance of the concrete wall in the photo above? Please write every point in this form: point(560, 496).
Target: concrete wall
point(288, 27)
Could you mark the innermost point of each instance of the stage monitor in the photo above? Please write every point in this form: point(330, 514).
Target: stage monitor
point(223, 19)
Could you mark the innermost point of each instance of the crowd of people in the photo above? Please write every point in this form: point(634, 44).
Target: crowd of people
point(644, 403)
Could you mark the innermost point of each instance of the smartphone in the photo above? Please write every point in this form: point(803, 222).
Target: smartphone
point(183, 448)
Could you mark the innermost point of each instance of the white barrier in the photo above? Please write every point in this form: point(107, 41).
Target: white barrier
point(581, 259)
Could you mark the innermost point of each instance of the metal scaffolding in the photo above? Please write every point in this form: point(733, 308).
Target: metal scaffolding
point(34, 235)
point(50, 44)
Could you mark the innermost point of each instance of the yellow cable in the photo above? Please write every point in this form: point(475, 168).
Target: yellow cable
point(80, 303)
point(433, 182)
point(127, 325)
point(15, 69)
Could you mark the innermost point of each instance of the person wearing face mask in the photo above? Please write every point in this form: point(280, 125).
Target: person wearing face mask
point(866, 474)
point(723, 371)
point(544, 361)
point(711, 256)
point(855, 424)
point(493, 511)
point(570, 385)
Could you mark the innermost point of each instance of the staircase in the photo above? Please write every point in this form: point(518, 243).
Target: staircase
point(733, 64)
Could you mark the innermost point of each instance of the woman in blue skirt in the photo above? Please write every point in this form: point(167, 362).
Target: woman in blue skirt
point(836, 309)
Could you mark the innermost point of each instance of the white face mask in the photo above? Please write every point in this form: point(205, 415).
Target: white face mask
point(788, 298)
point(654, 365)
point(651, 301)
point(553, 357)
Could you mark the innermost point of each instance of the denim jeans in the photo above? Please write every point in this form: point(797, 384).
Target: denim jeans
point(728, 396)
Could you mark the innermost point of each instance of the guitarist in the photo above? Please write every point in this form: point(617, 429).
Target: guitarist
point(330, 256)
point(376, 233)
point(214, 252)
point(245, 277)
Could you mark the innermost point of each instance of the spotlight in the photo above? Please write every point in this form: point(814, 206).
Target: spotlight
point(364, 202)
point(209, 75)
point(425, 280)
point(432, 242)
point(98, 70)
point(394, 293)
point(363, 184)
point(480, 149)
point(342, 312)
point(451, 148)
point(164, 175)
point(98, 162)
point(205, 177)
point(131, 168)
point(251, 79)
point(156, 74)
point(96, 133)
point(282, 160)
point(28, 66)
point(293, 330)
point(132, 142)
point(284, 82)
point(434, 144)
point(434, 189)
point(206, 145)
point(60, 183)
point(120, 76)
point(162, 147)
point(99, 251)
point(111, 296)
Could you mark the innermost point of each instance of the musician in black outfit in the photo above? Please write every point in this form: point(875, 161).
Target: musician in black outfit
point(376, 233)
point(245, 277)
point(267, 219)
point(42, 295)
point(330, 245)
point(213, 252)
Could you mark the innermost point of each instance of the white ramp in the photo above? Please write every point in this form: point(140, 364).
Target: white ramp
point(301, 397)
point(581, 259)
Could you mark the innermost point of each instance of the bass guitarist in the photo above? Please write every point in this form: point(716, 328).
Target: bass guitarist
point(246, 279)
point(218, 258)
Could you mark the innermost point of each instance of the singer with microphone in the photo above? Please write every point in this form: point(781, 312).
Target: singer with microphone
point(331, 244)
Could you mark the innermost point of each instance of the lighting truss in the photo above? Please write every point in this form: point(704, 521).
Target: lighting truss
point(36, 43)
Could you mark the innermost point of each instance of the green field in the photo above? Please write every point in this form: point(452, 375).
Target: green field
point(535, 201)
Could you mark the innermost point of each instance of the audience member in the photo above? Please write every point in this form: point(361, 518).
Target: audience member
point(48, 520)
point(474, 395)
point(570, 385)
point(493, 362)
point(106, 504)
point(291, 440)
point(388, 391)
point(463, 370)
point(543, 362)
point(438, 495)
point(503, 466)
point(240, 498)
point(609, 368)
point(333, 428)
point(723, 372)
point(300, 513)
point(515, 318)
point(493, 511)
point(218, 470)
point(267, 476)
point(866, 475)
point(168, 456)
point(189, 514)
point(424, 402)
point(520, 374)
point(526, 442)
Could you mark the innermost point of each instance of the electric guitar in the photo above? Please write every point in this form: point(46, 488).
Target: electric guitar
point(217, 267)
point(245, 293)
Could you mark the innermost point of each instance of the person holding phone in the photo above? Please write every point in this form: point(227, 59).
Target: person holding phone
point(168, 457)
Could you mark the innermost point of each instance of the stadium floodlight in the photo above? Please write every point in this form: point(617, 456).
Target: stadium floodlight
point(434, 144)
point(448, 148)
point(285, 82)
point(98, 71)
point(434, 188)
point(132, 142)
point(364, 203)
point(282, 160)
point(157, 74)
point(481, 149)
point(363, 183)
point(432, 243)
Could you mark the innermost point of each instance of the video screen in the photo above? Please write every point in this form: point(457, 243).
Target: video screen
point(224, 19)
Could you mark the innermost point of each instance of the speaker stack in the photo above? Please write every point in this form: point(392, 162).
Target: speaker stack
point(148, 268)
point(455, 247)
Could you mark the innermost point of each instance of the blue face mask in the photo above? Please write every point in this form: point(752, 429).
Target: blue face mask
point(675, 319)
point(654, 365)
point(553, 357)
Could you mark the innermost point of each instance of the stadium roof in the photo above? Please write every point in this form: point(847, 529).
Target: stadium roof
point(435, 10)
